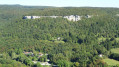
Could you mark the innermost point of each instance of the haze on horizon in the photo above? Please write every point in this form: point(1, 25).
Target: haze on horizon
point(64, 3)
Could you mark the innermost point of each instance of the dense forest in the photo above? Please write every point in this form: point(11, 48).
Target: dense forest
point(84, 43)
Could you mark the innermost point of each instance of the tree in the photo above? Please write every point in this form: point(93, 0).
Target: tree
point(13, 55)
point(63, 63)
point(34, 52)
point(38, 65)
point(76, 64)
point(19, 51)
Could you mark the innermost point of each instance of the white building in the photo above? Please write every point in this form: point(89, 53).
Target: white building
point(35, 17)
point(70, 18)
point(27, 17)
point(44, 63)
point(77, 18)
point(53, 16)
point(73, 17)
point(31, 17)
point(100, 55)
point(34, 62)
point(88, 16)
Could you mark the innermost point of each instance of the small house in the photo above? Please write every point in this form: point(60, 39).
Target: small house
point(28, 53)
point(40, 54)
point(100, 55)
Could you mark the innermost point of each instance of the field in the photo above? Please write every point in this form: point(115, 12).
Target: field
point(111, 61)
point(117, 39)
point(116, 50)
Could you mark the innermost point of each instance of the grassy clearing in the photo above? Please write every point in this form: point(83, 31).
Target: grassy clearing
point(59, 41)
point(111, 62)
point(101, 39)
point(117, 39)
point(115, 50)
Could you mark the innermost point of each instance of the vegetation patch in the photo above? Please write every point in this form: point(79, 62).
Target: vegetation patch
point(111, 62)
point(117, 39)
point(115, 50)
point(101, 39)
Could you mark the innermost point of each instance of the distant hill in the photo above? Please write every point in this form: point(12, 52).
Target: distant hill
point(23, 6)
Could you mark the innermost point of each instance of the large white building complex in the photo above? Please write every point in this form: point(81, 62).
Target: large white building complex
point(70, 18)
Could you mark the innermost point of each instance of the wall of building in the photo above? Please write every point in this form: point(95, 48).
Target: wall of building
point(70, 18)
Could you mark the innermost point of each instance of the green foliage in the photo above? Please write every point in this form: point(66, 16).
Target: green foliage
point(63, 63)
point(42, 59)
point(76, 64)
point(38, 65)
point(111, 62)
point(10, 63)
point(80, 44)
point(115, 50)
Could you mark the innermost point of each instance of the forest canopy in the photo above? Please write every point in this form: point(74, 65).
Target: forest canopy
point(84, 43)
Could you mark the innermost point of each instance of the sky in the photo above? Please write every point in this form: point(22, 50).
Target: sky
point(64, 3)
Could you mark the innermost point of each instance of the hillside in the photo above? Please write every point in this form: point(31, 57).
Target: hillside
point(66, 43)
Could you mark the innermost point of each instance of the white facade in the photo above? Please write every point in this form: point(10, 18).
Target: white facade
point(100, 55)
point(31, 17)
point(27, 17)
point(44, 63)
point(88, 16)
point(77, 18)
point(73, 17)
point(35, 17)
point(34, 62)
point(53, 16)
point(70, 18)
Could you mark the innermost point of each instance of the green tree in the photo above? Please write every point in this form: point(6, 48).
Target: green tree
point(63, 63)
point(13, 55)
point(38, 65)
point(76, 64)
